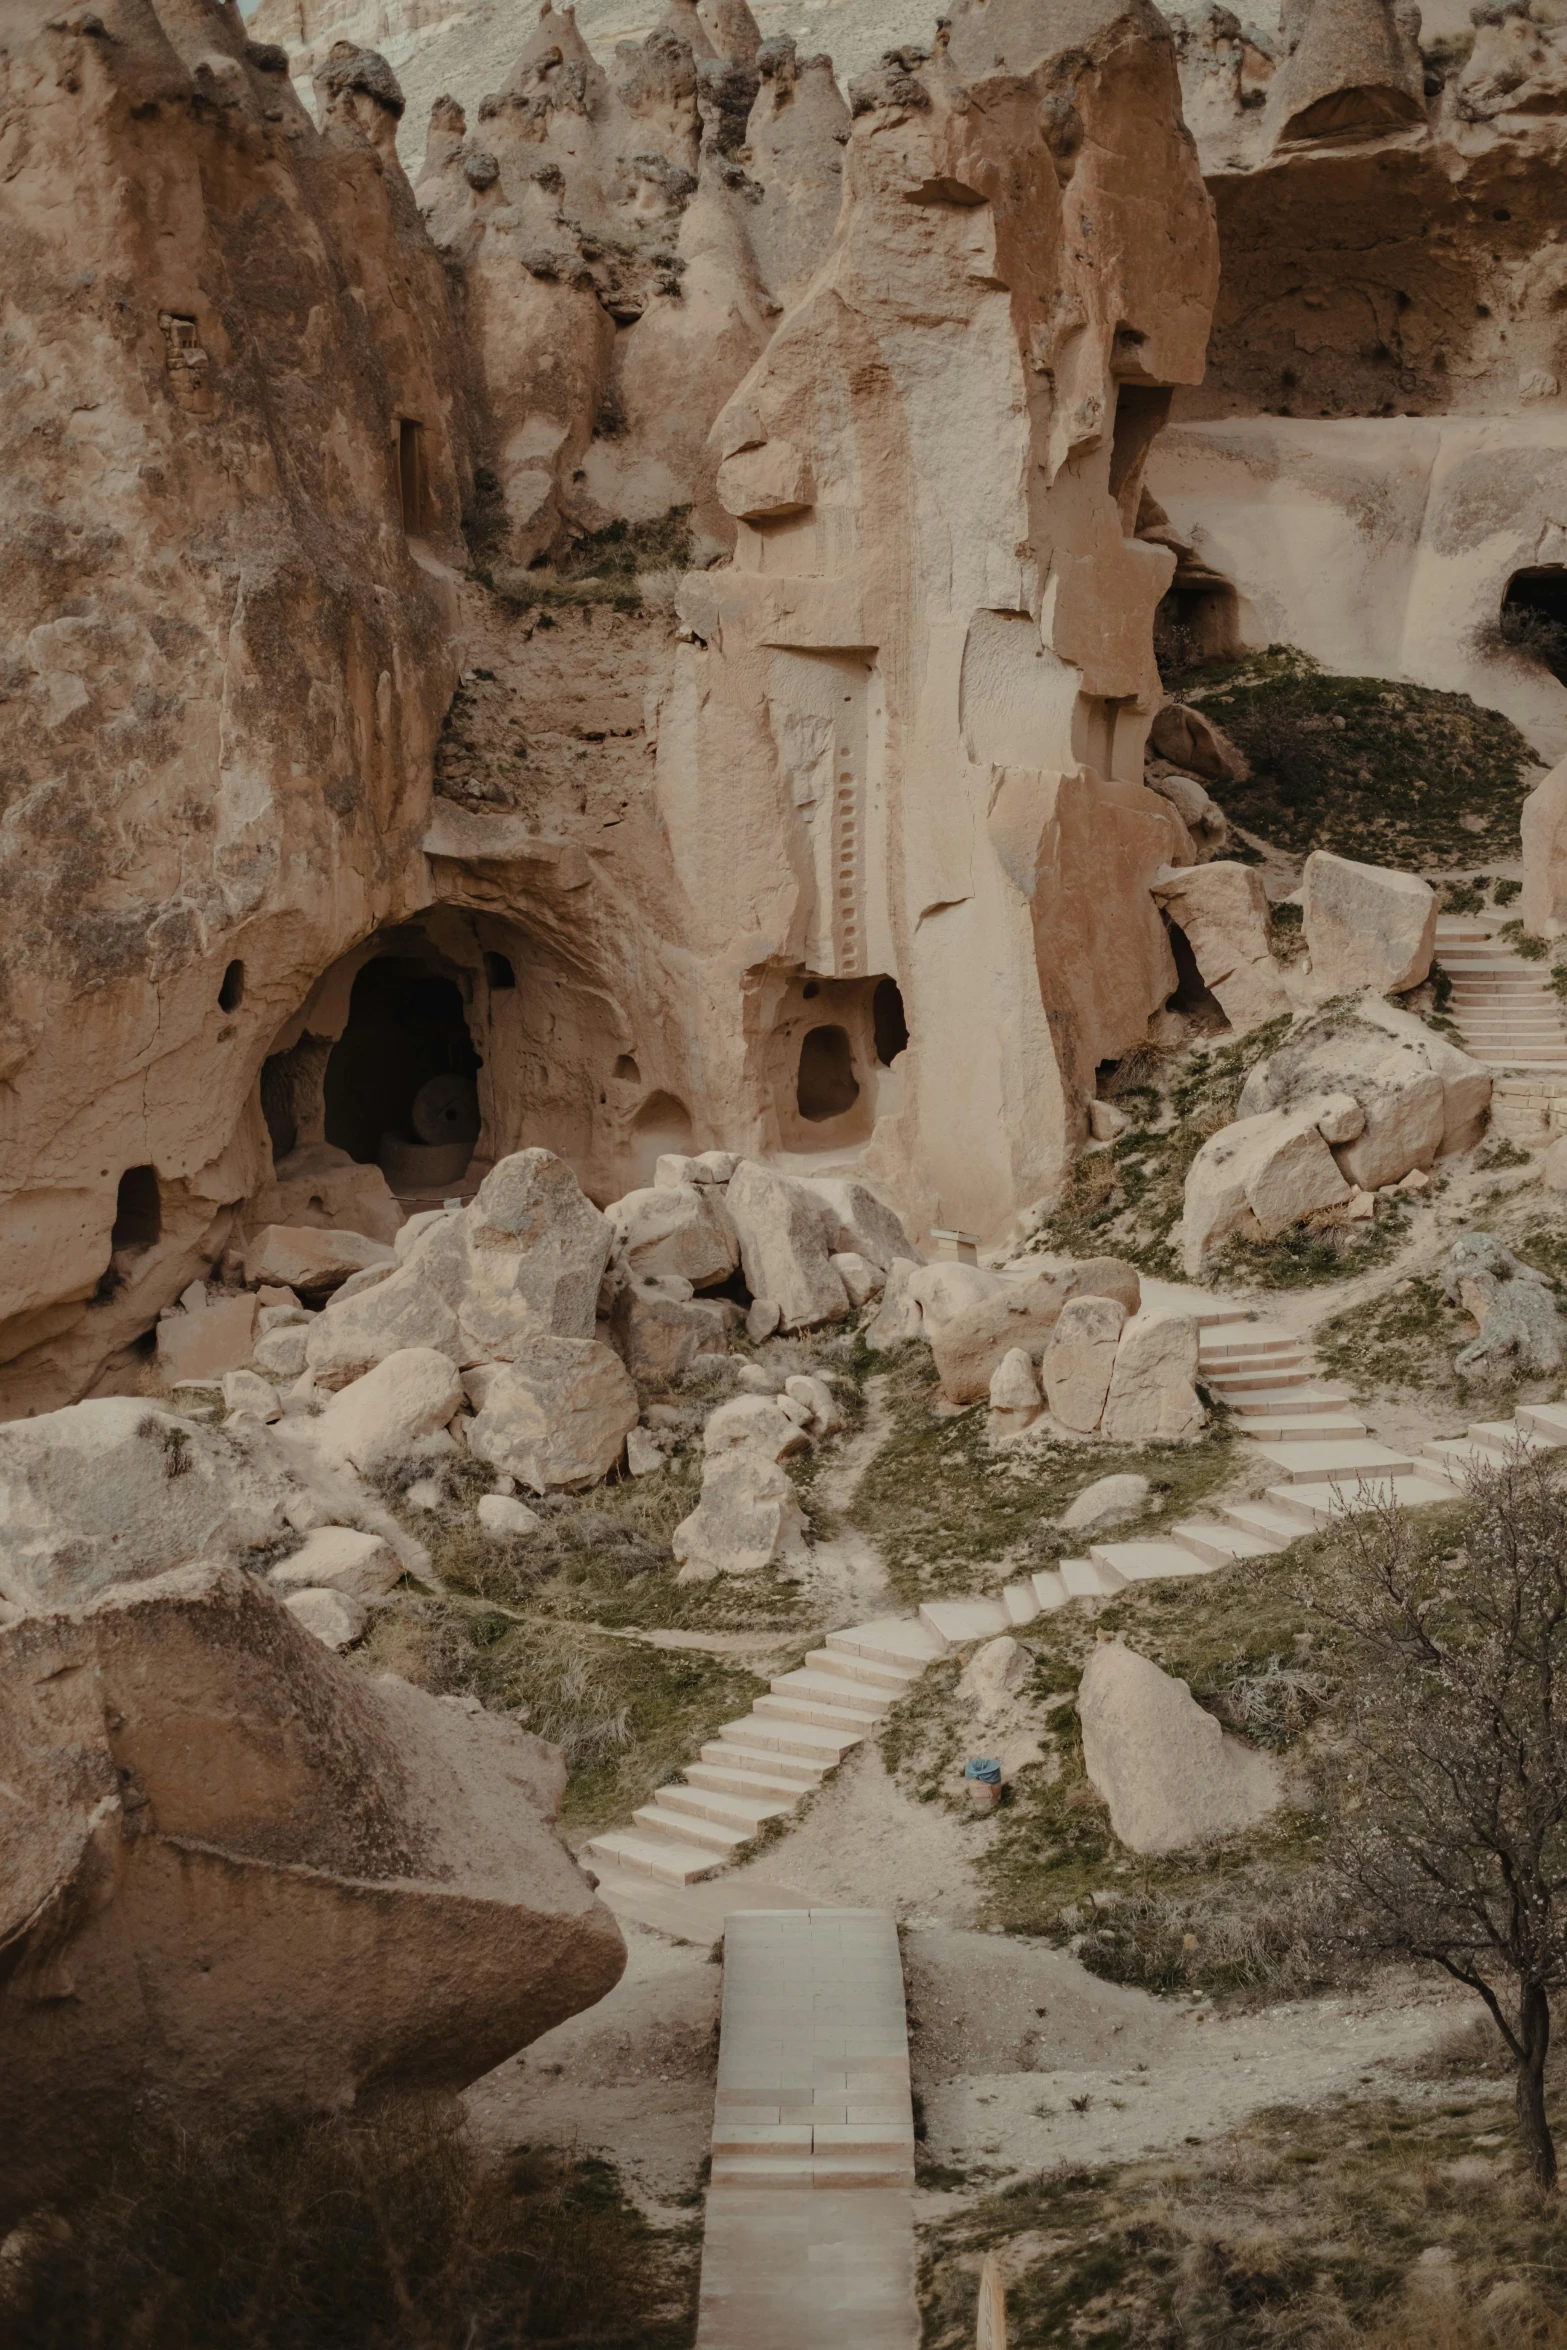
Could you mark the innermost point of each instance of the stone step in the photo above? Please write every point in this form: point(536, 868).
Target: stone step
point(892, 1640)
point(736, 1779)
point(1148, 1562)
point(1049, 1590)
point(1256, 1381)
point(1221, 1544)
point(1311, 1396)
point(869, 1672)
point(1241, 1358)
point(1304, 1428)
point(1506, 1436)
point(711, 1836)
point(746, 1812)
point(835, 1690)
point(1020, 1603)
point(1455, 1456)
point(1319, 1505)
point(815, 2170)
point(652, 1856)
point(1544, 1419)
point(814, 1712)
point(1315, 1464)
point(1087, 1579)
point(1275, 1526)
point(731, 1754)
point(789, 1736)
point(959, 1620)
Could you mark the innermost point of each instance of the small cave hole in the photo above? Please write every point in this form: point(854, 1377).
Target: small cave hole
point(827, 1085)
point(138, 1210)
point(406, 1030)
point(498, 971)
point(627, 1071)
point(1534, 616)
point(232, 993)
point(811, 990)
point(889, 1022)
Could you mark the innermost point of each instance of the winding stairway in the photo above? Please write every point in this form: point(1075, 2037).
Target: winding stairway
point(1507, 1012)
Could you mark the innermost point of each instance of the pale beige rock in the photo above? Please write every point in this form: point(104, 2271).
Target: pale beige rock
point(1016, 1400)
point(1153, 1389)
point(318, 1184)
point(340, 1558)
point(218, 1337)
point(336, 1618)
point(311, 1259)
point(783, 1246)
point(1365, 925)
point(1121, 1496)
point(762, 1318)
point(1420, 1096)
point(825, 1416)
point(684, 1229)
point(644, 1458)
point(1543, 827)
point(970, 1347)
point(756, 1423)
point(392, 1411)
point(859, 1222)
point(1223, 910)
point(1172, 1778)
point(558, 1417)
point(1189, 738)
point(748, 1518)
point(243, 1391)
point(919, 1299)
point(280, 1353)
point(1553, 1167)
point(1105, 1121)
point(659, 1334)
point(1258, 1176)
point(1080, 1359)
point(275, 1882)
point(996, 1673)
point(503, 1513)
point(859, 1276)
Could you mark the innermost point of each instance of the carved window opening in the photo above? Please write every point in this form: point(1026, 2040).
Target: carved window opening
point(1140, 409)
point(889, 1022)
point(827, 1085)
point(138, 1211)
point(232, 992)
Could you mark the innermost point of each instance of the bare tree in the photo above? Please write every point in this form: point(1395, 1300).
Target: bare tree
point(1452, 1844)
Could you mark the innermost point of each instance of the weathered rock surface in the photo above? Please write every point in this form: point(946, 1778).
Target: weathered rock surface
point(558, 1417)
point(1171, 1776)
point(1521, 1328)
point(969, 1347)
point(773, 1425)
point(336, 1618)
point(1223, 910)
point(1107, 1498)
point(748, 1518)
point(1365, 925)
point(658, 1332)
point(340, 1558)
point(311, 1259)
point(208, 1337)
point(1422, 1096)
point(392, 1411)
point(1078, 1364)
point(319, 1184)
point(784, 1246)
point(1153, 1388)
point(1259, 1175)
point(270, 1882)
point(1016, 1398)
point(686, 1230)
point(996, 1673)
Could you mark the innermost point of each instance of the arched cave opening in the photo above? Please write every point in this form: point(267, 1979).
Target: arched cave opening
point(401, 1076)
point(1534, 616)
point(138, 1211)
point(889, 1022)
point(1197, 620)
point(826, 1086)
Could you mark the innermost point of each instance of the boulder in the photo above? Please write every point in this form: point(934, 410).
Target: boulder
point(503, 1513)
point(1553, 1167)
point(1108, 1277)
point(1106, 1499)
point(1173, 1779)
point(918, 1299)
point(1520, 1328)
point(319, 1184)
point(1203, 818)
point(996, 1673)
point(657, 1333)
point(203, 1341)
point(859, 1276)
point(1153, 1388)
point(389, 1413)
point(757, 1423)
point(270, 1882)
point(821, 1405)
point(644, 1458)
point(1190, 740)
point(1419, 1095)
point(340, 1558)
point(860, 1222)
point(684, 1229)
point(1223, 910)
point(310, 1259)
point(762, 1319)
point(336, 1618)
point(244, 1392)
point(748, 1517)
point(970, 1348)
point(783, 1246)
point(1259, 1175)
point(1078, 1363)
point(1366, 925)
point(1105, 1121)
point(280, 1353)
point(559, 1417)
point(1015, 1397)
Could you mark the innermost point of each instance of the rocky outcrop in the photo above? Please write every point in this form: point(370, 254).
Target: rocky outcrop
point(1172, 1777)
point(1223, 912)
point(239, 1876)
point(1366, 926)
point(1521, 1328)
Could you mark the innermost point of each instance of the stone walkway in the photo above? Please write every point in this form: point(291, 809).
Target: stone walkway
point(809, 2237)
point(1507, 1011)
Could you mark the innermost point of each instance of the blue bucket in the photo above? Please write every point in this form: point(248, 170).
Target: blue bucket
point(981, 1768)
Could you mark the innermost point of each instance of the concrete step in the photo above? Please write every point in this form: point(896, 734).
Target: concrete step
point(1548, 1420)
point(1314, 1395)
point(1253, 1381)
point(1049, 1589)
point(1319, 1505)
point(1352, 1457)
point(1148, 1562)
point(732, 1754)
point(1304, 1428)
point(892, 1640)
point(1221, 1544)
point(958, 1620)
point(731, 1810)
point(1020, 1603)
point(650, 1819)
point(816, 1713)
point(835, 1690)
point(1275, 1526)
point(1506, 1436)
point(1455, 1456)
point(1087, 1579)
point(866, 1672)
point(652, 1856)
point(735, 1779)
point(769, 1731)
point(1277, 1358)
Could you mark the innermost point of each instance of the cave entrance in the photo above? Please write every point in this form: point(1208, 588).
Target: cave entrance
point(1534, 616)
point(399, 1087)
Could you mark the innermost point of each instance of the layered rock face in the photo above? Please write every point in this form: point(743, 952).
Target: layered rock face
point(238, 1875)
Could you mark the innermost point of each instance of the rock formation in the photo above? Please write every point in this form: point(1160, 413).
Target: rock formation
point(239, 1875)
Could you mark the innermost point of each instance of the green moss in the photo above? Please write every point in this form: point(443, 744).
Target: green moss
point(1393, 774)
point(603, 566)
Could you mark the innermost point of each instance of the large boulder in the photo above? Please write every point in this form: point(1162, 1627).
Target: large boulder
point(522, 1261)
point(970, 1347)
point(1521, 1330)
point(391, 1411)
point(1259, 1175)
point(1172, 1777)
point(748, 1517)
point(238, 1876)
point(681, 1229)
point(1378, 1052)
point(1366, 925)
point(319, 1184)
point(1080, 1361)
point(774, 1425)
point(658, 1328)
point(340, 1558)
point(311, 1259)
point(206, 1336)
point(1153, 1388)
point(919, 1299)
point(861, 1224)
point(784, 1246)
point(1189, 739)
point(1223, 910)
point(557, 1418)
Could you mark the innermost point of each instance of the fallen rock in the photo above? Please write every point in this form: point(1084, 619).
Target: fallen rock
point(643, 1456)
point(684, 1229)
point(758, 1423)
point(1366, 925)
point(559, 1418)
point(1553, 1167)
point(272, 1882)
point(995, 1674)
point(336, 1618)
point(1016, 1400)
point(503, 1513)
point(319, 1184)
point(1189, 739)
point(244, 1392)
point(1105, 1121)
point(749, 1517)
point(1259, 1175)
point(1173, 1779)
point(281, 1353)
point(1153, 1389)
point(203, 1341)
point(859, 1276)
point(1203, 818)
point(1520, 1327)
point(1106, 1499)
point(389, 1413)
point(1223, 910)
point(340, 1558)
point(824, 1418)
point(1419, 1095)
point(311, 1260)
point(657, 1333)
point(1080, 1359)
point(783, 1246)
point(762, 1319)
point(969, 1349)
point(860, 1223)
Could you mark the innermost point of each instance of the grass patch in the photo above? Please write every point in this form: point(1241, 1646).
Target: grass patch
point(379, 2232)
point(603, 566)
point(1392, 774)
point(940, 1503)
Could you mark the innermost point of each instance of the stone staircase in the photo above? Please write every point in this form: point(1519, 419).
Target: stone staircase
point(1506, 1010)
